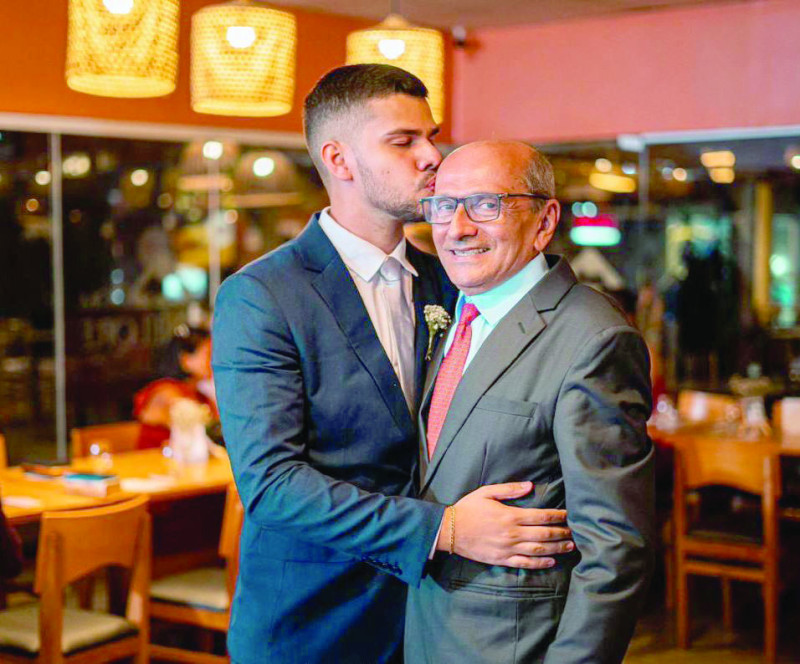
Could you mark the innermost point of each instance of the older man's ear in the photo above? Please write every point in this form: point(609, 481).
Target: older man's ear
point(547, 226)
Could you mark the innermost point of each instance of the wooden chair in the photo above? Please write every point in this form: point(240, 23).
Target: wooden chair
point(201, 597)
point(119, 436)
point(697, 406)
point(3, 452)
point(71, 545)
point(722, 550)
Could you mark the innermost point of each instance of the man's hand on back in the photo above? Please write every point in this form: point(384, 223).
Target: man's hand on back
point(490, 532)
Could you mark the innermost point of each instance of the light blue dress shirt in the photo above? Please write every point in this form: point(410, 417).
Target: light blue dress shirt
point(494, 304)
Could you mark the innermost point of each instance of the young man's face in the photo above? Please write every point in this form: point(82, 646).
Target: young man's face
point(395, 156)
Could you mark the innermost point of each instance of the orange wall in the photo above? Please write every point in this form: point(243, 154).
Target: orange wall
point(727, 65)
point(33, 50)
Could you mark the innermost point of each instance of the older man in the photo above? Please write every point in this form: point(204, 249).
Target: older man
point(542, 379)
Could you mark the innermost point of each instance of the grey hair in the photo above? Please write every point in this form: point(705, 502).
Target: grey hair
point(538, 176)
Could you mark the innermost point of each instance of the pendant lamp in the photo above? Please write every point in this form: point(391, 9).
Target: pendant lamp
point(243, 60)
point(397, 42)
point(122, 48)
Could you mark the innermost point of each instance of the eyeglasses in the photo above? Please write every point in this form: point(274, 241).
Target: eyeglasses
point(479, 207)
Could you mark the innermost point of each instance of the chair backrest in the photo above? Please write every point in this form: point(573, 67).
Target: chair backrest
point(80, 541)
point(232, 520)
point(743, 465)
point(705, 406)
point(74, 543)
point(119, 436)
point(3, 452)
point(746, 466)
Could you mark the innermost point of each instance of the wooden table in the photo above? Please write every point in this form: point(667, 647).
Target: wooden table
point(141, 472)
point(708, 433)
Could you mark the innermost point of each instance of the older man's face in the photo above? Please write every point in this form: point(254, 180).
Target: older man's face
point(480, 256)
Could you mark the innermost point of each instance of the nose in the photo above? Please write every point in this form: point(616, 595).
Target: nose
point(461, 226)
point(429, 157)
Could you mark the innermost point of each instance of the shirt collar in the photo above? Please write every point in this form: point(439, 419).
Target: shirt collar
point(494, 304)
point(360, 256)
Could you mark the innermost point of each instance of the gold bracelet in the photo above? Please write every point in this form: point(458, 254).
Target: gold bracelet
point(452, 509)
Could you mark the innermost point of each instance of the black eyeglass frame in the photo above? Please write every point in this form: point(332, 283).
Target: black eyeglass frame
point(426, 205)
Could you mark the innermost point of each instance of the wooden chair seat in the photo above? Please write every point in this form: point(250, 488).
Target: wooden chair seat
point(19, 629)
point(72, 545)
point(730, 529)
point(201, 597)
point(203, 588)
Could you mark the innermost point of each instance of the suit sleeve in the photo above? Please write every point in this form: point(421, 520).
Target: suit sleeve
point(607, 462)
point(264, 411)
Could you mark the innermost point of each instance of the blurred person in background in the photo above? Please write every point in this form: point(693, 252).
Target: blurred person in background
point(189, 355)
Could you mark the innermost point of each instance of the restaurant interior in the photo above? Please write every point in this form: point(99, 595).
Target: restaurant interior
point(144, 161)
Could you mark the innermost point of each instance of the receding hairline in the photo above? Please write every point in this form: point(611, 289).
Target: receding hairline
point(535, 170)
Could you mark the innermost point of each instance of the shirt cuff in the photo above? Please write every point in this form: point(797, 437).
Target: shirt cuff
point(436, 539)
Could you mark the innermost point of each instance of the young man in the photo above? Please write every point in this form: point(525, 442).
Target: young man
point(543, 379)
point(318, 362)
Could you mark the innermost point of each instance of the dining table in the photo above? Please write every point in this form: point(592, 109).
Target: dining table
point(685, 432)
point(186, 500)
point(25, 495)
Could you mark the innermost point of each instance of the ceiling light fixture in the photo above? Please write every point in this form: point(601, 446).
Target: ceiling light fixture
point(243, 60)
point(722, 175)
point(397, 42)
point(122, 48)
point(718, 159)
point(617, 184)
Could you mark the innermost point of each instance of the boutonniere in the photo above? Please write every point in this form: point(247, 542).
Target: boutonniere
point(438, 320)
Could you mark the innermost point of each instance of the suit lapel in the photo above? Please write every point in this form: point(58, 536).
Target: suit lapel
point(430, 379)
point(335, 286)
point(427, 290)
point(513, 334)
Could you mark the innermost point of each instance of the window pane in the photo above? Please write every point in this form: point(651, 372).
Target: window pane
point(27, 367)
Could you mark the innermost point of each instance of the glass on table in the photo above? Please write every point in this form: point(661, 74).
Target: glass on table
point(100, 455)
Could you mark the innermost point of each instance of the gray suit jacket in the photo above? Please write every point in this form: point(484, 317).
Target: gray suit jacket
point(558, 394)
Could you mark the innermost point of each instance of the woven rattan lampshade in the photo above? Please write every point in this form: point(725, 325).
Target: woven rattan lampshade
point(243, 60)
point(122, 48)
point(397, 42)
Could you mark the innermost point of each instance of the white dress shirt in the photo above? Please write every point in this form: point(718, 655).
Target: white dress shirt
point(385, 283)
point(494, 304)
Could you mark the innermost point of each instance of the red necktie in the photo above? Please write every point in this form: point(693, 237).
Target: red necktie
point(449, 374)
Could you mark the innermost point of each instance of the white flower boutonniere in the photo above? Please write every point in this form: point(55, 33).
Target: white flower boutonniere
point(438, 320)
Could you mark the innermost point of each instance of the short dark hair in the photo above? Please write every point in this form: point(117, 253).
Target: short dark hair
point(344, 89)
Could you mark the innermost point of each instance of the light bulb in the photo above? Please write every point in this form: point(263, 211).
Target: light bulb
point(240, 36)
point(392, 48)
point(263, 166)
point(119, 7)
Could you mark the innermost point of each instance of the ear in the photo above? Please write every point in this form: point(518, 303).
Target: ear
point(550, 215)
point(335, 160)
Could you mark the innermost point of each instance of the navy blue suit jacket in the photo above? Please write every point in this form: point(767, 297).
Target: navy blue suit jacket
point(324, 450)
